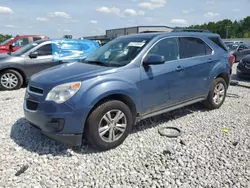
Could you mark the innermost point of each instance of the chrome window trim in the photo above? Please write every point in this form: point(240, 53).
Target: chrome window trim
point(177, 37)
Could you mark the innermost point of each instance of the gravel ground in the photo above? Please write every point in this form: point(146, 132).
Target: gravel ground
point(203, 156)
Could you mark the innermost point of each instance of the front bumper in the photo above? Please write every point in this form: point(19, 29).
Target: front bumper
point(66, 139)
point(61, 122)
point(54, 126)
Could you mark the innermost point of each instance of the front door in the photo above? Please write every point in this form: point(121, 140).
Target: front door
point(164, 84)
point(41, 62)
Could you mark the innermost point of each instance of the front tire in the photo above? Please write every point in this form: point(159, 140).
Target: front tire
point(10, 80)
point(108, 125)
point(217, 94)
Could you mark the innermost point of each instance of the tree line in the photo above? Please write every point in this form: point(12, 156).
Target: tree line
point(227, 28)
point(4, 37)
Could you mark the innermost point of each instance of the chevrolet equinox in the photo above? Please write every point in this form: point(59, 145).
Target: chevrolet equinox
point(129, 79)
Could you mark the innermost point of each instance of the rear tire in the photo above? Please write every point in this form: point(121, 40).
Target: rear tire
point(10, 80)
point(108, 125)
point(217, 94)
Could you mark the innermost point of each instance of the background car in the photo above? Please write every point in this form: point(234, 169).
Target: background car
point(243, 68)
point(16, 68)
point(15, 43)
point(239, 50)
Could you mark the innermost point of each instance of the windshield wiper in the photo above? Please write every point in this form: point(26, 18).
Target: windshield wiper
point(95, 63)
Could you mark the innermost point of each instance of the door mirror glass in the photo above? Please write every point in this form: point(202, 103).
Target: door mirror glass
point(154, 59)
point(33, 54)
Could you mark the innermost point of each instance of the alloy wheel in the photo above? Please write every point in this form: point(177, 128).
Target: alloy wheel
point(112, 126)
point(9, 80)
point(219, 93)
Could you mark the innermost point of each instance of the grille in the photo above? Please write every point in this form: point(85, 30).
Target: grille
point(31, 105)
point(35, 90)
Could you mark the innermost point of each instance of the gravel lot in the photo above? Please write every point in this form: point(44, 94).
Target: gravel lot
point(202, 156)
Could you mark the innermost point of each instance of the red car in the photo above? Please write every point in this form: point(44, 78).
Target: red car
point(17, 42)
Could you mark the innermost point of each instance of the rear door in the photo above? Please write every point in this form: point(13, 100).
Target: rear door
point(42, 62)
point(199, 61)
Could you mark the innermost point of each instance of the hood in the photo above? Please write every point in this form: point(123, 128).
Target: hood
point(246, 58)
point(4, 56)
point(68, 72)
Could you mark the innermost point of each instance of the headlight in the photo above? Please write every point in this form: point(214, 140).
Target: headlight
point(63, 92)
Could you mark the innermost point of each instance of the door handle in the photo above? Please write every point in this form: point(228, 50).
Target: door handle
point(179, 68)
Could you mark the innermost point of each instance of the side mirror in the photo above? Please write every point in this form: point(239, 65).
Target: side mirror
point(33, 54)
point(153, 59)
point(11, 47)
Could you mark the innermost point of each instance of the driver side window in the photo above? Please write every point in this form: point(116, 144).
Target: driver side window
point(44, 50)
point(21, 42)
point(168, 48)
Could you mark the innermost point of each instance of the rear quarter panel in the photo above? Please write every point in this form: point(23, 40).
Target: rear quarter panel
point(221, 66)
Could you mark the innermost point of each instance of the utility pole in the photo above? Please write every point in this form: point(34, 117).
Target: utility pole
point(227, 27)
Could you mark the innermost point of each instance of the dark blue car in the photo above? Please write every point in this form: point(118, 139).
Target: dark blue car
point(101, 97)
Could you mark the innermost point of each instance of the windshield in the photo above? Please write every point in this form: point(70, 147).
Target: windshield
point(232, 46)
point(7, 41)
point(24, 49)
point(118, 52)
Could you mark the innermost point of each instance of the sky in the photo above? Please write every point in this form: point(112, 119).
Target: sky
point(55, 18)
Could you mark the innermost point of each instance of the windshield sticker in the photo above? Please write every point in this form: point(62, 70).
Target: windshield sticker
point(34, 44)
point(136, 44)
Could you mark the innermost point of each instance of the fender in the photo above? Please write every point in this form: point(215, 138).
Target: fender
point(112, 87)
point(97, 90)
point(17, 67)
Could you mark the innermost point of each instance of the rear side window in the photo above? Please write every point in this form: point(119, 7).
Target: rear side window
point(219, 43)
point(193, 47)
point(21, 42)
point(36, 38)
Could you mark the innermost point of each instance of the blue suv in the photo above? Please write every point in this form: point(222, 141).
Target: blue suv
point(127, 80)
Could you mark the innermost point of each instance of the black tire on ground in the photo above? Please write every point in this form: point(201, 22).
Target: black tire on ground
point(19, 80)
point(91, 132)
point(209, 102)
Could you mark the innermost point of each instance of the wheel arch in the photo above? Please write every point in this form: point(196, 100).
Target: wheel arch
point(225, 76)
point(120, 97)
point(25, 80)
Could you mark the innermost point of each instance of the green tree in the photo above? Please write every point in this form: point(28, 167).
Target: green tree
point(4, 37)
point(236, 29)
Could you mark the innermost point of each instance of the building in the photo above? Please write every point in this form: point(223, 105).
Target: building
point(113, 33)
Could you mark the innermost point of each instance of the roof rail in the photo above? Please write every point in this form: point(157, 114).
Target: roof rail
point(151, 31)
point(192, 30)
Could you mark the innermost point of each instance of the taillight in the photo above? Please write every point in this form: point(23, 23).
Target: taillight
point(232, 59)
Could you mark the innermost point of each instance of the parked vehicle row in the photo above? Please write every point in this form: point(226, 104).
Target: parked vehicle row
point(129, 79)
point(16, 68)
point(15, 43)
point(243, 68)
point(239, 50)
